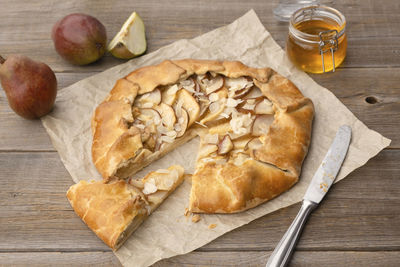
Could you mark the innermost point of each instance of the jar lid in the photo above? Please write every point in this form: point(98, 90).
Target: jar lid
point(317, 12)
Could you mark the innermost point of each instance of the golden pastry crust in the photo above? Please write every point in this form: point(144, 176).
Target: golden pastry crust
point(114, 210)
point(271, 169)
point(107, 209)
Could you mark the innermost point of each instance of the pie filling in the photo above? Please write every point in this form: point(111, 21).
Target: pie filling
point(229, 114)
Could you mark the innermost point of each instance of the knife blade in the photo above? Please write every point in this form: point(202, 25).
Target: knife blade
point(319, 186)
point(330, 166)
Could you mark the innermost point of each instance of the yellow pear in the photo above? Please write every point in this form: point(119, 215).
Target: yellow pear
point(130, 41)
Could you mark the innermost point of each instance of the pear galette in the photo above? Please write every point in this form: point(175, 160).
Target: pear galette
point(254, 127)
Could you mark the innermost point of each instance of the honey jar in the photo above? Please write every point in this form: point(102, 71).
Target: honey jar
point(317, 40)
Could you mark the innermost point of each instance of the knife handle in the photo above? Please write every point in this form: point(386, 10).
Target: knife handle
point(281, 255)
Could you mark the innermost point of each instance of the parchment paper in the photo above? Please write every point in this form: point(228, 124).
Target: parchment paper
point(167, 232)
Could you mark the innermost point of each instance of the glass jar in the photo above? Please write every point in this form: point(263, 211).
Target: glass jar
point(317, 40)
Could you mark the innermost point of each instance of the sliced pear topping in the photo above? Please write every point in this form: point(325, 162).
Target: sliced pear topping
point(216, 108)
point(182, 123)
point(212, 85)
point(167, 115)
point(238, 84)
point(261, 124)
point(255, 92)
point(149, 114)
point(188, 85)
point(148, 100)
point(242, 141)
point(220, 128)
point(206, 150)
point(264, 107)
point(189, 103)
point(225, 145)
point(130, 41)
point(168, 96)
point(253, 144)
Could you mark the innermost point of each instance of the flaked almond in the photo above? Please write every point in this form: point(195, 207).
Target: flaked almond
point(188, 85)
point(248, 106)
point(149, 187)
point(264, 107)
point(166, 139)
point(261, 124)
point(225, 145)
point(171, 134)
point(251, 101)
point(233, 102)
point(147, 105)
point(213, 97)
point(162, 129)
point(211, 139)
point(214, 107)
point(241, 123)
point(236, 84)
point(140, 126)
point(162, 171)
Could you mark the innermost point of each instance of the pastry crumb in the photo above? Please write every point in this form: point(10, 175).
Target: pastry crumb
point(212, 226)
point(187, 212)
point(196, 218)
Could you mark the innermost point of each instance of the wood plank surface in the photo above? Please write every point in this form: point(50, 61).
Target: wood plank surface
point(249, 259)
point(36, 216)
point(374, 37)
point(356, 225)
point(300, 258)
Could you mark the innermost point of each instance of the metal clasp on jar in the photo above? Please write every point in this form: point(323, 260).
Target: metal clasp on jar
point(328, 41)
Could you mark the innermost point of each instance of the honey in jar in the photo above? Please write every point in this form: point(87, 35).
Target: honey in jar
point(317, 39)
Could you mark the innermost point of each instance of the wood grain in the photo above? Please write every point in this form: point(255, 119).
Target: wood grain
point(356, 225)
point(251, 258)
point(300, 258)
point(106, 259)
point(368, 24)
point(36, 216)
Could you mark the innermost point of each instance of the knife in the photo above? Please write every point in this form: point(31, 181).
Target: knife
point(319, 186)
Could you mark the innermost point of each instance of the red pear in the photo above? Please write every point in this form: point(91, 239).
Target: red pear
point(79, 38)
point(30, 86)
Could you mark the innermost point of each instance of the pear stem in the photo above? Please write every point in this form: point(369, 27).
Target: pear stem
point(2, 60)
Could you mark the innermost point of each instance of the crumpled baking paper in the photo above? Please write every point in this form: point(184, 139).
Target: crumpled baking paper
point(167, 232)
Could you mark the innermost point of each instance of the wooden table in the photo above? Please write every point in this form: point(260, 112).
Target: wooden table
point(358, 224)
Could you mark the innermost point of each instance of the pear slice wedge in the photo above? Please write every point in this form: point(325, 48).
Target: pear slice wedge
point(130, 41)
